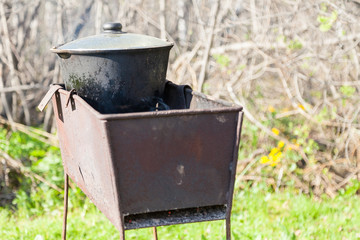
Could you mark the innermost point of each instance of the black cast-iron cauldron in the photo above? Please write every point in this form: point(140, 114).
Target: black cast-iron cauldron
point(115, 69)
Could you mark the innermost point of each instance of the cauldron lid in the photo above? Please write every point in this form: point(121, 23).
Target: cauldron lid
point(112, 39)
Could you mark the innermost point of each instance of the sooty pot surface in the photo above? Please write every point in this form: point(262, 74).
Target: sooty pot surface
point(115, 69)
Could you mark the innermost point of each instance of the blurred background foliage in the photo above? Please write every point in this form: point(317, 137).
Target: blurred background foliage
point(293, 65)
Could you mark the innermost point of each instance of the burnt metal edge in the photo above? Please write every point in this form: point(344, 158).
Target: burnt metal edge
point(233, 174)
point(166, 113)
point(172, 217)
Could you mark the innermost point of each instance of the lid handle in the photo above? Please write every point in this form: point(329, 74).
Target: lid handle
point(112, 27)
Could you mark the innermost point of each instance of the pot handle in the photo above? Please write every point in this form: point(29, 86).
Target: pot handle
point(53, 89)
point(61, 53)
point(112, 27)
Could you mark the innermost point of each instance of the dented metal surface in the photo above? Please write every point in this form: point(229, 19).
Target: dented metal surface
point(138, 166)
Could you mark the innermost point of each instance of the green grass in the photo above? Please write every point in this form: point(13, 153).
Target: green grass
point(258, 213)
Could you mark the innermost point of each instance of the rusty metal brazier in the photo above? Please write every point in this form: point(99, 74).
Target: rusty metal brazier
point(150, 169)
point(115, 69)
point(153, 168)
point(142, 169)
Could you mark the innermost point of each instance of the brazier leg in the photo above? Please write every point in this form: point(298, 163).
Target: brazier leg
point(155, 233)
point(66, 194)
point(122, 235)
point(228, 228)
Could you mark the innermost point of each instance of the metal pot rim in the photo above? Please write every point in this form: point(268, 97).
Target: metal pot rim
point(80, 51)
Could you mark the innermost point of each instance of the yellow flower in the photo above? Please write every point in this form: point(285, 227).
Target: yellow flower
point(273, 158)
point(273, 164)
point(273, 152)
point(271, 109)
point(281, 144)
point(275, 131)
point(301, 106)
point(277, 157)
point(264, 160)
